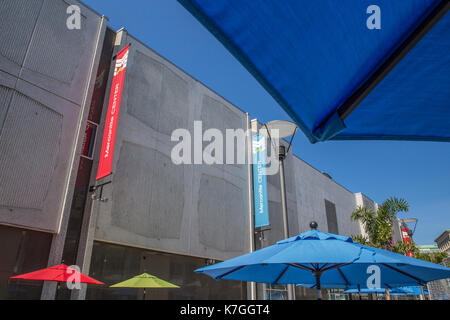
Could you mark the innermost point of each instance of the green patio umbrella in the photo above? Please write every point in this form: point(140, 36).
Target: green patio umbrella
point(144, 281)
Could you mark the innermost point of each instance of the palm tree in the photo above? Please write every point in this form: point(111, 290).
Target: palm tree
point(378, 224)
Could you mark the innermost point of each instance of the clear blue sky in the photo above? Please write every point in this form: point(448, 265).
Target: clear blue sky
point(416, 171)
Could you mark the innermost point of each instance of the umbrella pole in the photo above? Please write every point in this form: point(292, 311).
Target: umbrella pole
point(422, 293)
point(319, 293)
point(388, 295)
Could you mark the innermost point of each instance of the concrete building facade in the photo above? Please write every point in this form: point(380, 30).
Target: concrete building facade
point(443, 241)
point(150, 215)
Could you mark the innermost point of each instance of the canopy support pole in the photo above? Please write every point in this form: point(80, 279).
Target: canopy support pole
point(388, 295)
point(319, 292)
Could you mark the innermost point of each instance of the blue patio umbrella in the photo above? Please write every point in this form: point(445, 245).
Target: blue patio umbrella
point(336, 76)
point(324, 260)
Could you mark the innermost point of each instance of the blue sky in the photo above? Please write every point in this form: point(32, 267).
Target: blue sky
point(416, 171)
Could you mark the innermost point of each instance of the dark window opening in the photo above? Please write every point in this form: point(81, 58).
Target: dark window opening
point(113, 263)
point(23, 251)
point(330, 210)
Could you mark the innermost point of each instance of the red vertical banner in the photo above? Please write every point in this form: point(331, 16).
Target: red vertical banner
point(407, 239)
point(109, 134)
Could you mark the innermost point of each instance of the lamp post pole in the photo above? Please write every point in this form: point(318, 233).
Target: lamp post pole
point(281, 157)
point(283, 129)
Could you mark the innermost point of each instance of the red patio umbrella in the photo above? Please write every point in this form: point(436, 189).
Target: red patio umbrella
point(60, 273)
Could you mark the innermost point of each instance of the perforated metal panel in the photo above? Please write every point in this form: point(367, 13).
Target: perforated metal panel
point(5, 99)
point(29, 144)
point(156, 95)
point(17, 21)
point(148, 197)
point(221, 214)
point(46, 68)
point(289, 178)
point(276, 232)
point(53, 44)
point(215, 115)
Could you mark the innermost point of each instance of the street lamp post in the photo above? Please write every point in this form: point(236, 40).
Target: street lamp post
point(284, 129)
point(281, 157)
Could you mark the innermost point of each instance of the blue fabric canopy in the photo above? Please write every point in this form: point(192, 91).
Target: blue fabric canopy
point(320, 259)
point(337, 78)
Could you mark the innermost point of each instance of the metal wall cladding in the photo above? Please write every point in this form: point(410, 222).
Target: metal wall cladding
point(215, 115)
point(274, 179)
point(312, 189)
point(5, 98)
point(156, 95)
point(18, 19)
point(30, 143)
point(44, 75)
point(53, 44)
point(154, 203)
point(148, 197)
point(276, 222)
point(221, 214)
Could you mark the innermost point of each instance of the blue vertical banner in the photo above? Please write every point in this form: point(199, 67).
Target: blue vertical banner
point(260, 181)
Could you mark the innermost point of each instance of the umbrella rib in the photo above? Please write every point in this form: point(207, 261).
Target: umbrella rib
point(322, 268)
point(343, 277)
point(231, 271)
point(421, 282)
point(301, 266)
point(282, 274)
point(337, 265)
